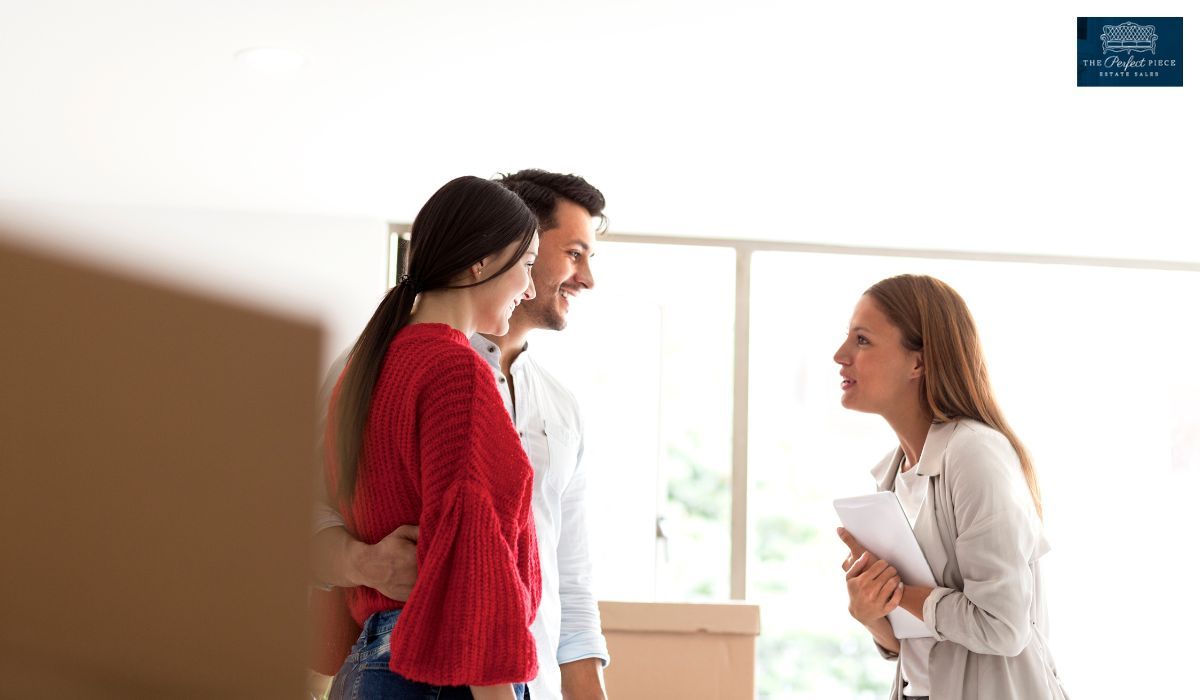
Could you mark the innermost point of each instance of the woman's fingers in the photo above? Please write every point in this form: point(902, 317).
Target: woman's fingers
point(888, 588)
point(858, 566)
point(875, 587)
point(856, 549)
point(874, 590)
point(869, 566)
point(894, 601)
point(861, 564)
point(879, 569)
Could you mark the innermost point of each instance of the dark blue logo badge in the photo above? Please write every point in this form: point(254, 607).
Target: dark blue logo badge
point(1130, 51)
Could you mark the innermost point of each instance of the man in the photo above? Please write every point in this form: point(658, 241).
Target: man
point(571, 649)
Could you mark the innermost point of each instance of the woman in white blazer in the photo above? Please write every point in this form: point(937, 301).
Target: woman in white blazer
point(969, 489)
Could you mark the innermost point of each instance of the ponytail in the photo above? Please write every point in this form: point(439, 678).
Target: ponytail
point(353, 402)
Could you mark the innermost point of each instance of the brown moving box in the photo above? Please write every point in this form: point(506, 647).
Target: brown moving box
point(155, 451)
point(698, 651)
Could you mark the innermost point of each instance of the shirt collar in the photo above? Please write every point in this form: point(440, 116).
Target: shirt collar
point(930, 463)
point(523, 357)
point(487, 350)
point(491, 352)
point(935, 444)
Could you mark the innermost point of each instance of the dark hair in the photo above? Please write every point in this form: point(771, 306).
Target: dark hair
point(466, 220)
point(541, 190)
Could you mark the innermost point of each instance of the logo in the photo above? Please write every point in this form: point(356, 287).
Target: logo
point(1129, 51)
point(1129, 37)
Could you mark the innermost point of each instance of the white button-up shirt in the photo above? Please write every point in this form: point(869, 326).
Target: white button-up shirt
point(567, 627)
point(546, 415)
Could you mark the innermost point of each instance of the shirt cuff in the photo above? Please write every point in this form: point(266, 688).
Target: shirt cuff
point(583, 645)
point(929, 610)
point(886, 653)
point(324, 517)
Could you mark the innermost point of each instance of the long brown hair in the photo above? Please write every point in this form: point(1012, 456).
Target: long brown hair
point(466, 220)
point(935, 321)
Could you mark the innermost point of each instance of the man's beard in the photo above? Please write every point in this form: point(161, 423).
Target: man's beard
point(545, 314)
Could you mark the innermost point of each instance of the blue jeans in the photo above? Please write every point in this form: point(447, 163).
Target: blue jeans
point(365, 674)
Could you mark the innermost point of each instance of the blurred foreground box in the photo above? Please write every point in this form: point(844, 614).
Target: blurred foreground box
point(156, 452)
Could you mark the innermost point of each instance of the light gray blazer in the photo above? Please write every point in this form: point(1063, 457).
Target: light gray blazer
point(980, 533)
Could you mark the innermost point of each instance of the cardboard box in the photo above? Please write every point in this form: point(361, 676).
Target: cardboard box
point(156, 451)
point(699, 651)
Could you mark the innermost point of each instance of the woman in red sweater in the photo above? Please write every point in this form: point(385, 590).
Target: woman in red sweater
point(419, 433)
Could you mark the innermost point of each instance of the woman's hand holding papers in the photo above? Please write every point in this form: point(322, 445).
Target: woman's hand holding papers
point(874, 587)
point(875, 590)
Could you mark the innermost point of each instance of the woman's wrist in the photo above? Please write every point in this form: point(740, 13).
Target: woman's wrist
point(881, 630)
point(913, 598)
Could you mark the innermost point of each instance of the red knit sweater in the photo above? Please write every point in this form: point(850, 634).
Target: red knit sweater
point(440, 450)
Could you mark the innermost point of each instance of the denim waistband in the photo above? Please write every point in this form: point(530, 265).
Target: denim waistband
point(380, 622)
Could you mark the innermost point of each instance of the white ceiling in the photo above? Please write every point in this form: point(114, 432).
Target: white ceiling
point(874, 123)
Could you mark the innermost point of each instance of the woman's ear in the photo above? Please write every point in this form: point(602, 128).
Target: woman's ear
point(918, 370)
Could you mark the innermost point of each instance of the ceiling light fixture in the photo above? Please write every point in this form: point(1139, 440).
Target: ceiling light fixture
point(268, 60)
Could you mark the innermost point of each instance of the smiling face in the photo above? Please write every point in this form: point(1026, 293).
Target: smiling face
point(499, 297)
point(563, 268)
point(879, 374)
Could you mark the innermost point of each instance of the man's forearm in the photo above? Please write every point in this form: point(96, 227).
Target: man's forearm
point(389, 565)
point(583, 680)
point(334, 553)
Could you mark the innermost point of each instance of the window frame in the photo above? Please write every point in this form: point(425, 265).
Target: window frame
point(744, 250)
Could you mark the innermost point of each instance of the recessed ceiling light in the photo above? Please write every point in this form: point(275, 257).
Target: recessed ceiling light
point(270, 60)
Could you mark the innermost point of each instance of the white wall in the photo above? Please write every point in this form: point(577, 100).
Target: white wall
point(929, 125)
point(330, 269)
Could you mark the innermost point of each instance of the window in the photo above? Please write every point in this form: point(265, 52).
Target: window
point(649, 355)
point(1094, 367)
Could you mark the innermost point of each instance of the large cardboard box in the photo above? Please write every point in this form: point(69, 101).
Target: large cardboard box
point(156, 454)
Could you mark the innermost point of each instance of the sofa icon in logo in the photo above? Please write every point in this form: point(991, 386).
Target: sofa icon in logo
point(1128, 37)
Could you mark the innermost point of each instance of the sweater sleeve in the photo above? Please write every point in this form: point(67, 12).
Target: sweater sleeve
point(467, 620)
